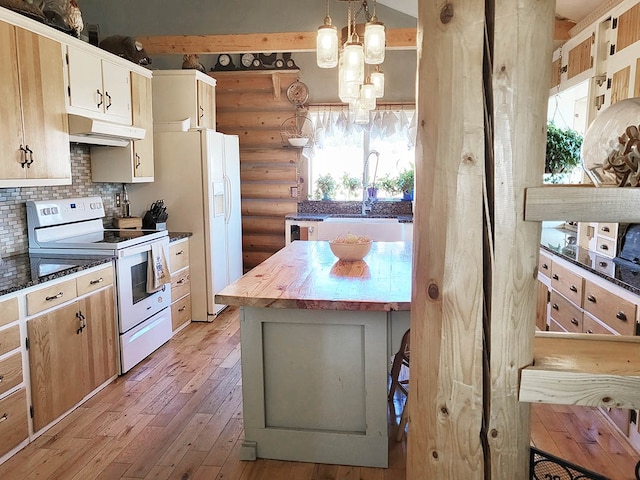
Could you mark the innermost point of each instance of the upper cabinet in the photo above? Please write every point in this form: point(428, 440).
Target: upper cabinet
point(34, 138)
point(97, 87)
point(181, 94)
point(133, 163)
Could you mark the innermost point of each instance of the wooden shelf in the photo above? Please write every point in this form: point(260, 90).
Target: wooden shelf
point(582, 204)
point(576, 369)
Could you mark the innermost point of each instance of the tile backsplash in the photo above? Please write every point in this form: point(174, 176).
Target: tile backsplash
point(13, 214)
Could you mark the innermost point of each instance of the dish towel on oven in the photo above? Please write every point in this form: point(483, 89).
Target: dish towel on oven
point(158, 267)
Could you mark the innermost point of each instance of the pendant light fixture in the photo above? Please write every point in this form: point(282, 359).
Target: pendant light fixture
point(354, 54)
point(327, 43)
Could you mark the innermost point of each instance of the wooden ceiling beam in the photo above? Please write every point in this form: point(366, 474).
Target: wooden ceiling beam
point(397, 39)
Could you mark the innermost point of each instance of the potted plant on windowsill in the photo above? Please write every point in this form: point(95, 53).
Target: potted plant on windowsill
point(562, 153)
point(326, 187)
point(351, 185)
point(406, 183)
point(390, 185)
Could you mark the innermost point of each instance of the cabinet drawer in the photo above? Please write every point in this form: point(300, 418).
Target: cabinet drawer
point(565, 313)
point(544, 264)
point(178, 255)
point(51, 296)
point(609, 230)
point(14, 426)
point(180, 284)
point(604, 265)
point(606, 246)
point(614, 311)
point(10, 372)
point(8, 311)
point(181, 312)
point(555, 326)
point(95, 280)
point(9, 339)
point(567, 283)
point(591, 325)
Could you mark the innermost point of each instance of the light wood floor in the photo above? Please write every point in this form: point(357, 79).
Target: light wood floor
point(178, 415)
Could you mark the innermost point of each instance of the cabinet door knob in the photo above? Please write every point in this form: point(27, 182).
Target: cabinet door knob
point(555, 277)
point(573, 288)
point(621, 316)
point(555, 306)
point(574, 320)
point(591, 298)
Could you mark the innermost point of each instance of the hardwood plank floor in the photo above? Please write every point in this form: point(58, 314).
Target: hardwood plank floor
point(178, 415)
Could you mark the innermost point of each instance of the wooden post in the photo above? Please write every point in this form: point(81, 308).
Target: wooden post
point(480, 143)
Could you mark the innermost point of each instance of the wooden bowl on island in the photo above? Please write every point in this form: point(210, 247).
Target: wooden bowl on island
point(350, 248)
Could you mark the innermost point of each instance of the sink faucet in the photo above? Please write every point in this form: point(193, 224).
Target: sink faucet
point(367, 200)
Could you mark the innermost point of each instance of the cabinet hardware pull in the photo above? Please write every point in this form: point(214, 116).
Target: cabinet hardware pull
point(4, 417)
point(591, 298)
point(59, 295)
point(83, 322)
point(545, 266)
point(573, 288)
point(1, 378)
point(621, 316)
point(603, 264)
point(182, 309)
point(24, 156)
point(604, 247)
point(138, 162)
point(574, 320)
point(30, 161)
point(555, 306)
point(93, 282)
point(201, 112)
point(101, 98)
point(180, 252)
point(589, 331)
point(605, 229)
point(108, 98)
point(181, 281)
point(555, 277)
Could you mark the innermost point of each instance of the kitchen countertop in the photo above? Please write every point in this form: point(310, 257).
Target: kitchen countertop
point(306, 275)
point(558, 242)
point(21, 271)
point(319, 217)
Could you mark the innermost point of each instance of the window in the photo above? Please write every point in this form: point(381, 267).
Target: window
point(342, 147)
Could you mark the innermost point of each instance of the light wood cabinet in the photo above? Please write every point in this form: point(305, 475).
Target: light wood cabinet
point(10, 372)
point(180, 283)
point(97, 87)
point(181, 94)
point(568, 283)
point(616, 312)
point(133, 163)
point(14, 422)
point(34, 137)
point(72, 348)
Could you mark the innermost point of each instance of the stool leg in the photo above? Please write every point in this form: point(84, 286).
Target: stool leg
point(403, 421)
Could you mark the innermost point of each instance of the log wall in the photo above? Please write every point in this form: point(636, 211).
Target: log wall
point(253, 105)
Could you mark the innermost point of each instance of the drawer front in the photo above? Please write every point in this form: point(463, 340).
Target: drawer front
point(604, 265)
point(10, 372)
point(8, 311)
point(591, 325)
point(9, 339)
point(616, 312)
point(51, 296)
point(565, 313)
point(95, 280)
point(606, 247)
point(14, 426)
point(178, 255)
point(544, 264)
point(609, 230)
point(567, 283)
point(180, 284)
point(181, 312)
point(555, 326)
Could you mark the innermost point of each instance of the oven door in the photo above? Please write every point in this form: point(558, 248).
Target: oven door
point(135, 304)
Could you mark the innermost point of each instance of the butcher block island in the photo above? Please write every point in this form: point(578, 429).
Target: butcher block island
point(316, 337)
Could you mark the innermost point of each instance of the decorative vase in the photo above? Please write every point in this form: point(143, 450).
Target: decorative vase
point(407, 195)
point(372, 192)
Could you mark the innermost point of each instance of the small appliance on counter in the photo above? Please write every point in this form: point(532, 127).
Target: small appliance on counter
point(156, 216)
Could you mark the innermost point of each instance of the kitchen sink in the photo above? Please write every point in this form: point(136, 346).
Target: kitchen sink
point(360, 219)
point(381, 229)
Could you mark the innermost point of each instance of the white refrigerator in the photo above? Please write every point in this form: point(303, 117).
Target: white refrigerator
point(197, 174)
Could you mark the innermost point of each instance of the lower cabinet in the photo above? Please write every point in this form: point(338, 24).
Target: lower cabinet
point(180, 283)
point(14, 424)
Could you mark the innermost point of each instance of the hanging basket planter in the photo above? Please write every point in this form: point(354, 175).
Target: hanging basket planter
point(297, 131)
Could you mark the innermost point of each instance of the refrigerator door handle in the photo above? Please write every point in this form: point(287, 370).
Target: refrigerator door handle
point(227, 199)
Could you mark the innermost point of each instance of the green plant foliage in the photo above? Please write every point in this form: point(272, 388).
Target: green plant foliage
point(563, 150)
point(389, 184)
point(326, 187)
point(406, 180)
point(350, 184)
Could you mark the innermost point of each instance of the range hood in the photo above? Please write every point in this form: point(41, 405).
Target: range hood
point(99, 132)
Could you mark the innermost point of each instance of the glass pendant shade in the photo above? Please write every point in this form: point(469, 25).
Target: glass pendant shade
point(374, 43)
point(353, 63)
point(327, 45)
point(377, 78)
point(347, 92)
point(368, 96)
